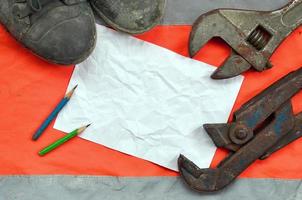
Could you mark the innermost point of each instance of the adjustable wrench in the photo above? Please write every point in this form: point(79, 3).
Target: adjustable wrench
point(252, 35)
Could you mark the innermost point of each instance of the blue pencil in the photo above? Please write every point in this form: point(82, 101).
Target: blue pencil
point(53, 114)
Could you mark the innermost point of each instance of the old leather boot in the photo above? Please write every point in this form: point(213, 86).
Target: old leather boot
point(60, 31)
point(131, 16)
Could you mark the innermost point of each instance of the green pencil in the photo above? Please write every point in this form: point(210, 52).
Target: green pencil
point(62, 140)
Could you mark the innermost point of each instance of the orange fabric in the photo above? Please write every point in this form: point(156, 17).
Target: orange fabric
point(30, 88)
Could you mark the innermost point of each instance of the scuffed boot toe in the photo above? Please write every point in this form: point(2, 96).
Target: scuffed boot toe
point(60, 31)
point(64, 36)
point(131, 16)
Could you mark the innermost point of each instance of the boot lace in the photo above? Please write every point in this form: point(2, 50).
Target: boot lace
point(25, 8)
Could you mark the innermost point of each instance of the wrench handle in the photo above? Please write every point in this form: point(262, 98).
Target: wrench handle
point(292, 14)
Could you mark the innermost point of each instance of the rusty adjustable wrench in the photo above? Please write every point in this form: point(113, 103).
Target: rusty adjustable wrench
point(262, 126)
point(252, 35)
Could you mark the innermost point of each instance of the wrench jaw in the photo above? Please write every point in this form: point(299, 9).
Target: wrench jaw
point(204, 29)
point(232, 67)
point(213, 25)
point(202, 180)
point(219, 133)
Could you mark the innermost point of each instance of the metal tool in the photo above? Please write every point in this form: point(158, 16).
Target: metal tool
point(262, 126)
point(252, 35)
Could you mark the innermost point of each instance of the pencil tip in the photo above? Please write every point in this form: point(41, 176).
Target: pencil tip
point(83, 128)
point(70, 93)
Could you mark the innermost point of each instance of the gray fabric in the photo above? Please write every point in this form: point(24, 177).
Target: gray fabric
point(113, 188)
point(185, 12)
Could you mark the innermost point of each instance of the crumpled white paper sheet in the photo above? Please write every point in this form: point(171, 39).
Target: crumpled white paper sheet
point(147, 101)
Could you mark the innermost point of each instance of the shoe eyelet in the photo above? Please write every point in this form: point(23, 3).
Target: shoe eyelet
point(35, 5)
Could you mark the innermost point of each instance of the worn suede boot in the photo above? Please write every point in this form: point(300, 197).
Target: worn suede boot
point(131, 16)
point(60, 31)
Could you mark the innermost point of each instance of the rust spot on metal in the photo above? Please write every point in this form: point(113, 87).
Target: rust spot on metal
point(259, 129)
point(253, 35)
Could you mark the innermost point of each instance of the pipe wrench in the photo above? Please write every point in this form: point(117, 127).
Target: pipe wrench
point(261, 126)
